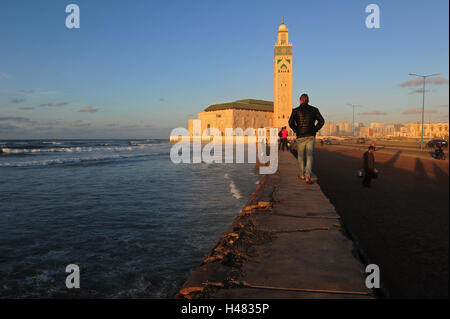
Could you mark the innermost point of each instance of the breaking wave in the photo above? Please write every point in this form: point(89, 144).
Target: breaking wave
point(20, 151)
point(234, 191)
point(68, 160)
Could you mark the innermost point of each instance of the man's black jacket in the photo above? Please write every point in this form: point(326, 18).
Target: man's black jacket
point(369, 161)
point(303, 120)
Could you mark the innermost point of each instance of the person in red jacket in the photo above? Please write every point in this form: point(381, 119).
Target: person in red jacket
point(284, 136)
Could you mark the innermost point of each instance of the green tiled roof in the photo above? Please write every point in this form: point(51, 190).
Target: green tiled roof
point(248, 104)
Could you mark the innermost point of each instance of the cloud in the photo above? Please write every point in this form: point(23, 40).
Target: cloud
point(26, 92)
point(373, 113)
point(25, 120)
point(419, 91)
point(135, 127)
point(8, 128)
point(56, 104)
point(89, 109)
point(47, 92)
point(419, 81)
point(14, 119)
point(418, 111)
point(4, 75)
point(26, 108)
point(48, 123)
point(17, 101)
point(35, 92)
point(82, 125)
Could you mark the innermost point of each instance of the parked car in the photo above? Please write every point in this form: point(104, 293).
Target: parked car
point(361, 140)
point(327, 141)
point(433, 143)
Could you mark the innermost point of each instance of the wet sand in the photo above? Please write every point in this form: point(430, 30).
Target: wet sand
point(401, 223)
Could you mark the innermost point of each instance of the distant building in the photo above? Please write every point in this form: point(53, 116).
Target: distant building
point(366, 132)
point(251, 113)
point(328, 129)
point(242, 113)
point(282, 68)
point(378, 129)
point(398, 127)
point(411, 130)
point(345, 128)
point(434, 130)
point(357, 126)
point(389, 130)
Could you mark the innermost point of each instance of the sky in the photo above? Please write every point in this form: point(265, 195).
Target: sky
point(138, 69)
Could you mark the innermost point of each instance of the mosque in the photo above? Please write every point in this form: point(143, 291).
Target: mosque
point(251, 113)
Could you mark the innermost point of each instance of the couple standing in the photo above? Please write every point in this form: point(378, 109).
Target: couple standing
point(303, 122)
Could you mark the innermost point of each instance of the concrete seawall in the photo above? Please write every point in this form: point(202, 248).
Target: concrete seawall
point(287, 242)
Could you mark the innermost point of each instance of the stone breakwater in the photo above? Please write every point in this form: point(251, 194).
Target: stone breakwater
point(287, 242)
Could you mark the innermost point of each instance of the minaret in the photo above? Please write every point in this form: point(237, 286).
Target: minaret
point(282, 65)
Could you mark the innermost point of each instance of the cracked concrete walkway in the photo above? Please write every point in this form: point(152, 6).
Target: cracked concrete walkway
point(321, 259)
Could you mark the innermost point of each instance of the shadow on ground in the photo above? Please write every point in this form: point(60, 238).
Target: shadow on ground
point(401, 223)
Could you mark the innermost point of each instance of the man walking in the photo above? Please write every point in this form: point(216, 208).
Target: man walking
point(303, 123)
point(368, 165)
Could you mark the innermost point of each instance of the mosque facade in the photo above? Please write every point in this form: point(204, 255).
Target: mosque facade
point(253, 113)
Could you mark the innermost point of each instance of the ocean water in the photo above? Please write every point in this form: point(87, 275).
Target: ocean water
point(135, 223)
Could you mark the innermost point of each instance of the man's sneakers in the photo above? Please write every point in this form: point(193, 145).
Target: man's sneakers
point(307, 178)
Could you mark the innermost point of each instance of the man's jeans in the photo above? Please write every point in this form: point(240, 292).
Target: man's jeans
point(305, 148)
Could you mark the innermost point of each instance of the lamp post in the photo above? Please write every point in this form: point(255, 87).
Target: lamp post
point(353, 122)
point(424, 77)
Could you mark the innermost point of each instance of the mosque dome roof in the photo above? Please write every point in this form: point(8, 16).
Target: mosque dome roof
point(282, 28)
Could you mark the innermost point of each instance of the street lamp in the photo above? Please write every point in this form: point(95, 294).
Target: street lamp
point(423, 99)
point(353, 122)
